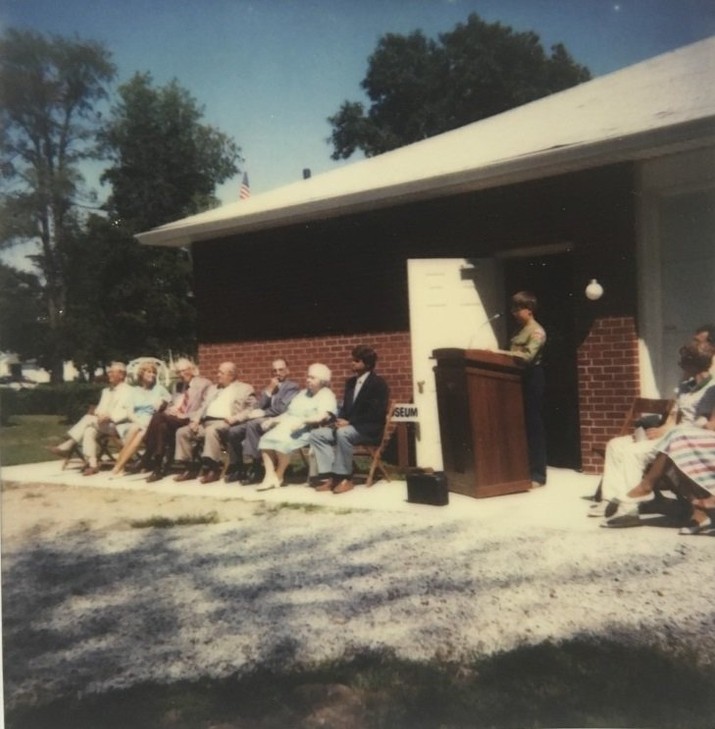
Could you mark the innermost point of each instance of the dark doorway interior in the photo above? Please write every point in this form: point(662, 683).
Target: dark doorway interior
point(550, 278)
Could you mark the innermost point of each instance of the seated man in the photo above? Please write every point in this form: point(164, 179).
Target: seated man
point(161, 433)
point(227, 402)
point(242, 438)
point(114, 407)
point(361, 419)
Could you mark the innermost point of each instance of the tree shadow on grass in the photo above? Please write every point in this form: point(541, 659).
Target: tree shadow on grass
point(576, 683)
point(136, 615)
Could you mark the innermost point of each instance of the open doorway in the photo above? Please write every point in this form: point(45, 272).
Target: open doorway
point(550, 278)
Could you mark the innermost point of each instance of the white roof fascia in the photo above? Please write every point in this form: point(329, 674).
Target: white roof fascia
point(656, 107)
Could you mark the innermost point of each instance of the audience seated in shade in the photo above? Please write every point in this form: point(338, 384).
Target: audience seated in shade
point(361, 419)
point(626, 457)
point(227, 402)
point(290, 431)
point(685, 465)
point(242, 439)
point(147, 397)
point(112, 411)
point(160, 437)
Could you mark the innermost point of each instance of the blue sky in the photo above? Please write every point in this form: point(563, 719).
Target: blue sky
point(270, 72)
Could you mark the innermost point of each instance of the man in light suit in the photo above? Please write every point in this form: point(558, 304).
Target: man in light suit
point(242, 439)
point(361, 419)
point(114, 407)
point(160, 436)
point(228, 402)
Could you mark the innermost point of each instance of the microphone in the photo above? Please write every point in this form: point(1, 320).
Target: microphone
point(489, 320)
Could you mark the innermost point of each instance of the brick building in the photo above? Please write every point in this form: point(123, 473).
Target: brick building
point(419, 248)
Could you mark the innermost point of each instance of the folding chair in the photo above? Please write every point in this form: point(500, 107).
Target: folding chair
point(375, 451)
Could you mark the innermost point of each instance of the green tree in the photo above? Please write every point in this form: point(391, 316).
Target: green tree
point(23, 317)
point(49, 92)
point(128, 299)
point(419, 87)
point(166, 162)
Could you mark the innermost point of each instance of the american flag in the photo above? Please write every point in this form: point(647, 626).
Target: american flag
point(245, 191)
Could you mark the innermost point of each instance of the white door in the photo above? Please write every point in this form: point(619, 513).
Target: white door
point(451, 303)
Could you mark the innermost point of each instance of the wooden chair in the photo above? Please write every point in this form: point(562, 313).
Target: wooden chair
point(375, 451)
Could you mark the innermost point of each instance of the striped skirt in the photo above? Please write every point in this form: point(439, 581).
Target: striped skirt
point(692, 450)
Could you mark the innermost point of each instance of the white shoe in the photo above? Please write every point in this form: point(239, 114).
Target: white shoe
point(696, 527)
point(598, 509)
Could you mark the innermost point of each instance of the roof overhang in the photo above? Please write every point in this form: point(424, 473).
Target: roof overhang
point(656, 108)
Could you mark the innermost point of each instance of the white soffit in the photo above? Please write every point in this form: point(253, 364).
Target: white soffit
point(655, 107)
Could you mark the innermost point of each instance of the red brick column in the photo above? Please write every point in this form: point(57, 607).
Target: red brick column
point(608, 377)
point(253, 359)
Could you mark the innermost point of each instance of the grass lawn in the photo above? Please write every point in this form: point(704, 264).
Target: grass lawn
point(580, 683)
point(27, 437)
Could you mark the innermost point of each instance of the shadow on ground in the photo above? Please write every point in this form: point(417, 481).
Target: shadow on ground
point(580, 683)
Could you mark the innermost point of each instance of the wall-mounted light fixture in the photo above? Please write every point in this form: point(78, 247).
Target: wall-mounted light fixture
point(594, 290)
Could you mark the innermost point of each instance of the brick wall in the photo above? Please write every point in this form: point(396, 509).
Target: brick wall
point(254, 358)
point(608, 381)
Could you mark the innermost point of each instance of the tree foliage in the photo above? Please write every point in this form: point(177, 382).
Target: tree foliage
point(49, 92)
point(22, 313)
point(419, 87)
point(166, 162)
point(104, 296)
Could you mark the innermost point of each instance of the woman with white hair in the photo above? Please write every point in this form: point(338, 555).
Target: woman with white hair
point(287, 432)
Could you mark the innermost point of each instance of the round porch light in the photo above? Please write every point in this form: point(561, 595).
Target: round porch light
point(594, 290)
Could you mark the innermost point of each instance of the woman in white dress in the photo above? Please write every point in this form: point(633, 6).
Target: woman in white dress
point(147, 397)
point(287, 432)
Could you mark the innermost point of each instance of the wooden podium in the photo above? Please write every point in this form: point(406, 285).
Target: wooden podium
point(481, 422)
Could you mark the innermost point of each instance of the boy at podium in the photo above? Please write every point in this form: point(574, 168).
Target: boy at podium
point(528, 345)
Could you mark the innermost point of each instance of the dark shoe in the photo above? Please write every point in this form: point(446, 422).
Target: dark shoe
point(344, 486)
point(185, 476)
point(90, 471)
point(210, 476)
point(234, 474)
point(327, 485)
point(255, 474)
point(155, 476)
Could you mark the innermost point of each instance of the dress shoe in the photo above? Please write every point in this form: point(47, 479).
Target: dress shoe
point(255, 473)
point(185, 476)
point(155, 476)
point(210, 476)
point(696, 527)
point(344, 486)
point(233, 475)
point(90, 471)
point(269, 483)
point(326, 485)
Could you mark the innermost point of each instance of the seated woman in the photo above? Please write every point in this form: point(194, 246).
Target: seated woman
point(291, 430)
point(627, 458)
point(685, 465)
point(147, 396)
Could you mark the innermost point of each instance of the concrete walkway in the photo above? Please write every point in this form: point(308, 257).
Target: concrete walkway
point(561, 504)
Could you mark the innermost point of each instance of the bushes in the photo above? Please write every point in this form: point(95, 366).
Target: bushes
point(70, 400)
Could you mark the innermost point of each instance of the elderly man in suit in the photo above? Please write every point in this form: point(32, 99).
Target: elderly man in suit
point(160, 437)
point(114, 408)
point(242, 439)
point(361, 419)
point(228, 402)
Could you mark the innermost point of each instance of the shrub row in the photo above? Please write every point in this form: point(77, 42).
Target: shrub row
point(70, 400)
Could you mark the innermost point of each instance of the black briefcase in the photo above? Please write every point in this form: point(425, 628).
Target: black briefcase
point(427, 487)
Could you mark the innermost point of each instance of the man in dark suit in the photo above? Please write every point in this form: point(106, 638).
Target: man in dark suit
point(361, 420)
point(242, 439)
